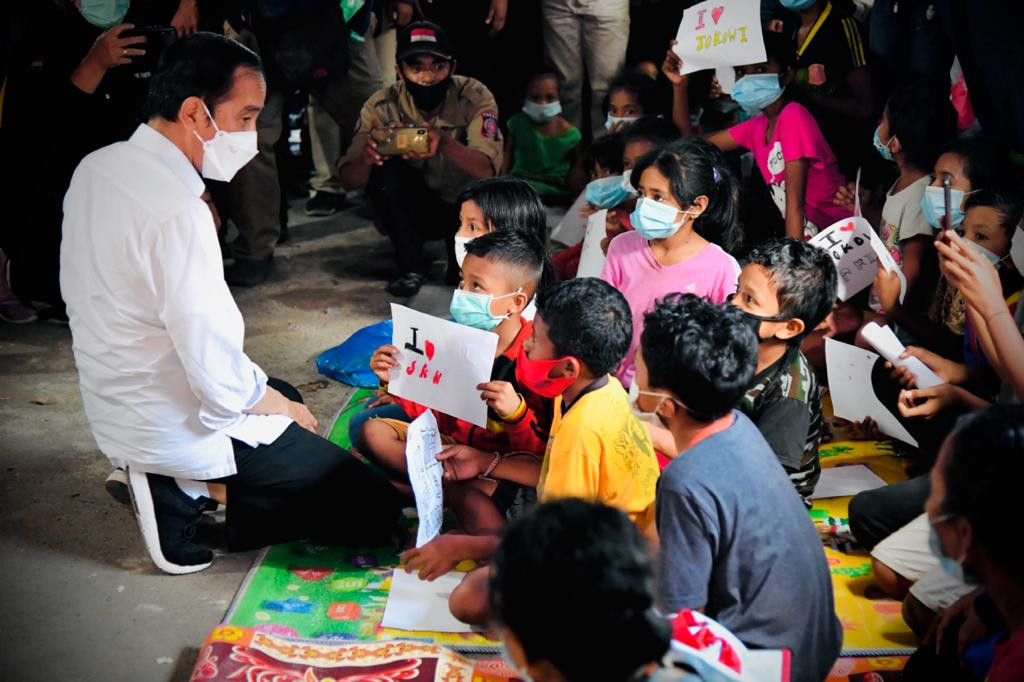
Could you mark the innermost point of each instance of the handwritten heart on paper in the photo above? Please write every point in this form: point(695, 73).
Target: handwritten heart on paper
point(848, 227)
point(716, 13)
point(428, 346)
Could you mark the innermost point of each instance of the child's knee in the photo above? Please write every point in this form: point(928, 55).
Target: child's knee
point(469, 601)
point(891, 582)
point(377, 439)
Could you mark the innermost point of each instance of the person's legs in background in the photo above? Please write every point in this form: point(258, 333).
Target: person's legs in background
point(333, 114)
point(877, 514)
point(563, 48)
point(410, 213)
point(605, 36)
point(255, 202)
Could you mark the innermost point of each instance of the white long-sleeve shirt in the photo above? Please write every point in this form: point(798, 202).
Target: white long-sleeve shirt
point(156, 334)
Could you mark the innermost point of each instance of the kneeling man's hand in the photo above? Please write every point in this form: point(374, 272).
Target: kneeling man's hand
point(302, 416)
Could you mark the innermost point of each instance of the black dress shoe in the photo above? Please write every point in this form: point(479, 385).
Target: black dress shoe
point(407, 285)
point(323, 204)
point(248, 272)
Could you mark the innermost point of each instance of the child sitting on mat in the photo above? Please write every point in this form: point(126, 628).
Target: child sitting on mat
point(597, 450)
point(500, 274)
point(785, 290)
point(542, 147)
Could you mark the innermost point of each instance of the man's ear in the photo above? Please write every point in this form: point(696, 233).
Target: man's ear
point(193, 115)
point(794, 327)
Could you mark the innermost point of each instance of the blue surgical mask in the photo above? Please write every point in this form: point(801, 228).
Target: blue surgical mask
point(654, 220)
point(797, 5)
point(954, 568)
point(933, 206)
point(104, 13)
point(883, 148)
point(608, 192)
point(756, 91)
point(474, 310)
point(624, 120)
point(541, 113)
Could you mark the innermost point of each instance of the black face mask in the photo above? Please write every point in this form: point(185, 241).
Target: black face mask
point(755, 323)
point(428, 97)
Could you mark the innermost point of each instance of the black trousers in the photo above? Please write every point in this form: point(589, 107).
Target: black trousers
point(877, 514)
point(411, 213)
point(304, 486)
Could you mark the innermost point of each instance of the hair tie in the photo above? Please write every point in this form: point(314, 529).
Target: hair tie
point(718, 176)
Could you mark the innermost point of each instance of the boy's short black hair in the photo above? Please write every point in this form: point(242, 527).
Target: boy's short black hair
point(1004, 200)
point(653, 129)
point(596, 567)
point(200, 65)
point(779, 47)
point(922, 117)
point(606, 151)
point(588, 319)
point(513, 249)
point(705, 354)
point(804, 278)
point(544, 72)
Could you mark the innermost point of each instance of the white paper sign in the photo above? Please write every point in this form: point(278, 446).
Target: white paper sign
point(572, 228)
point(856, 251)
point(422, 606)
point(726, 76)
point(441, 363)
point(422, 444)
point(853, 397)
point(845, 481)
point(591, 256)
point(885, 342)
point(720, 33)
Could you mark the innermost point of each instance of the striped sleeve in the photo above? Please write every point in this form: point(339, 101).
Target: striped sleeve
point(855, 41)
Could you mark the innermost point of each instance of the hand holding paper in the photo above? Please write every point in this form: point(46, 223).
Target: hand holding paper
point(720, 33)
point(857, 252)
point(885, 342)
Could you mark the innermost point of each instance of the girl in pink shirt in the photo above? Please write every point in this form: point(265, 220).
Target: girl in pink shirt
point(788, 147)
point(685, 214)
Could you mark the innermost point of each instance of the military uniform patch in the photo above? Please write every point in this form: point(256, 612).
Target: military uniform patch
point(489, 125)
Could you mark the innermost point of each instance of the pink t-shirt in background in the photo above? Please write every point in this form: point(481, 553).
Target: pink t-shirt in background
point(796, 136)
point(632, 269)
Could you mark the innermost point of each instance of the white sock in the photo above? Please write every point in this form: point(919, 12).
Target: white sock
point(194, 489)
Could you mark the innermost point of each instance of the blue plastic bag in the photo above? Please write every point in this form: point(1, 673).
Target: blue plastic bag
point(349, 362)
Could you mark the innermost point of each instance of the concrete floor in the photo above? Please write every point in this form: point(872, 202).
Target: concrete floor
point(79, 597)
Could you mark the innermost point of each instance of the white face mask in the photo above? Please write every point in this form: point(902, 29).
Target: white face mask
point(993, 258)
point(1017, 249)
point(460, 249)
point(226, 153)
point(641, 416)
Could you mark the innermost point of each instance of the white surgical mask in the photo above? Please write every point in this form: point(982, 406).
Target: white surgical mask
point(225, 153)
point(460, 249)
point(641, 416)
point(612, 121)
point(993, 258)
point(1017, 249)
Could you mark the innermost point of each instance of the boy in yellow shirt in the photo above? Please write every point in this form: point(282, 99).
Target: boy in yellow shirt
point(597, 450)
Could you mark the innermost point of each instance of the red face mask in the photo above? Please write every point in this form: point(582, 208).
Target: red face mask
point(533, 375)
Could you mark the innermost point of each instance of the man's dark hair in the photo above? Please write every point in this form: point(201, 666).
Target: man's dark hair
point(804, 278)
point(922, 117)
point(200, 65)
point(982, 473)
point(588, 319)
point(596, 567)
point(694, 167)
point(606, 151)
point(705, 354)
point(514, 249)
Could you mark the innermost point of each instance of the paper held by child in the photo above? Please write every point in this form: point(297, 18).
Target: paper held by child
point(573, 226)
point(422, 443)
point(885, 342)
point(440, 364)
point(422, 606)
point(857, 251)
point(592, 257)
point(853, 397)
point(720, 33)
point(845, 481)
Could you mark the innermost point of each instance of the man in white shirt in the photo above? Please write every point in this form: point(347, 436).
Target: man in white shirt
point(157, 337)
